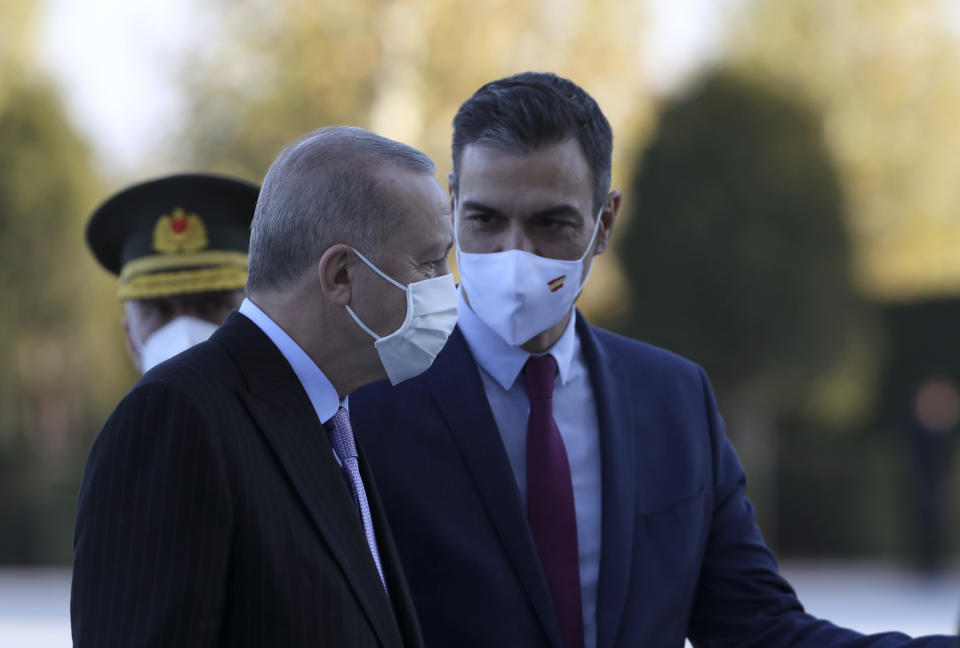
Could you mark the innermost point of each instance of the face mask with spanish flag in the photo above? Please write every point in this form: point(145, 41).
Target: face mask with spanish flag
point(518, 294)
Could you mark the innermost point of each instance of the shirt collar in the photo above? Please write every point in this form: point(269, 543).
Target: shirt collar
point(321, 392)
point(502, 360)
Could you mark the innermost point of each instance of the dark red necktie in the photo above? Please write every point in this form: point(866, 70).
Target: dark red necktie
point(550, 507)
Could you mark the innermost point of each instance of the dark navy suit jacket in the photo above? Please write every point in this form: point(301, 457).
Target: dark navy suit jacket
point(681, 555)
point(213, 513)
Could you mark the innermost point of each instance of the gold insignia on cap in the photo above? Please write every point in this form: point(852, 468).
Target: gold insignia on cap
point(179, 232)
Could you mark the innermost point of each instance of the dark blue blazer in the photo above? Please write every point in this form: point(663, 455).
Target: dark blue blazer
point(213, 513)
point(681, 555)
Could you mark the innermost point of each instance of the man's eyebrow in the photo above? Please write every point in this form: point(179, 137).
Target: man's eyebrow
point(478, 206)
point(562, 209)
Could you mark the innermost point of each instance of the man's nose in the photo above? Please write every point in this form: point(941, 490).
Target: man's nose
point(515, 238)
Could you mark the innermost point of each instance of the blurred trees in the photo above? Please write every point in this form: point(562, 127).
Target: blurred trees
point(885, 76)
point(266, 73)
point(272, 71)
point(851, 139)
point(16, 38)
point(275, 70)
point(763, 304)
point(737, 253)
point(58, 374)
point(921, 402)
point(749, 277)
point(736, 245)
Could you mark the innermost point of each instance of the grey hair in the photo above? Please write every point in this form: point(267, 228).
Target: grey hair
point(324, 189)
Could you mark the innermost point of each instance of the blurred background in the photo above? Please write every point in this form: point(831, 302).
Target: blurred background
point(791, 221)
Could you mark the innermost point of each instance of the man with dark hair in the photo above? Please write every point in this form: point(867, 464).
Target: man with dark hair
point(225, 501)
point(179, 246)
point(550, 483)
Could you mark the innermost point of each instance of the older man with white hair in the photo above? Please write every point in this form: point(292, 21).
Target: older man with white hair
point(225, 502)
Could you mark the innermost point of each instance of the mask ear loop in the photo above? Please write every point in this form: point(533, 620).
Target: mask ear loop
point(593, 239)
point(396, 283)
point(137, 345)
point(456, 232)
point(136, 342)
point(356, 319)
point(405, 289)
point(379, 271)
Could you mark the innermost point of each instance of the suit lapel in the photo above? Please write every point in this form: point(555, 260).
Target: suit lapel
point(455, 385)
point(611, 391)
point(282, 411)
point(404, 612)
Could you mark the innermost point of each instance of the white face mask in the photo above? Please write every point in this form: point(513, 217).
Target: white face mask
point(518, 294)
point(170, 339)
point(431, 317)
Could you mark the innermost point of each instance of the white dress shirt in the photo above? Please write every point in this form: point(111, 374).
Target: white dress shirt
point(321, 392)
point(575, 412)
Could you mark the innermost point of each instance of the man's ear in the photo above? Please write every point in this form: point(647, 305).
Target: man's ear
point(608, 217)
point(336, 268)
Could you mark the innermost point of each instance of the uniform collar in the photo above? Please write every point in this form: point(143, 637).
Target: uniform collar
point(323, 395)
point(503, 361)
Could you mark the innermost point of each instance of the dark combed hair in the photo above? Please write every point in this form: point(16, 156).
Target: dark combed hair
point(532, 110)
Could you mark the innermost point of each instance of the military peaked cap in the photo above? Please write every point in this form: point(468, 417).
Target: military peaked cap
point(185, 233)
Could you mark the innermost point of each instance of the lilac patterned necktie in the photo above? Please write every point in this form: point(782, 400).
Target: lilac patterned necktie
point(550, 505)
point(341, 437)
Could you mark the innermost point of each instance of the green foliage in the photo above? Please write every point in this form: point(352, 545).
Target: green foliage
point(276, 70)
point(271, 71)
point(39, 174)
point(63, 365)
point(840, 494)
point(884, 75)
point(17, 19)
point(735, 246)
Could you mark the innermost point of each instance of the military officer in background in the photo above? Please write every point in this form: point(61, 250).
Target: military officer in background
point(179, 247)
